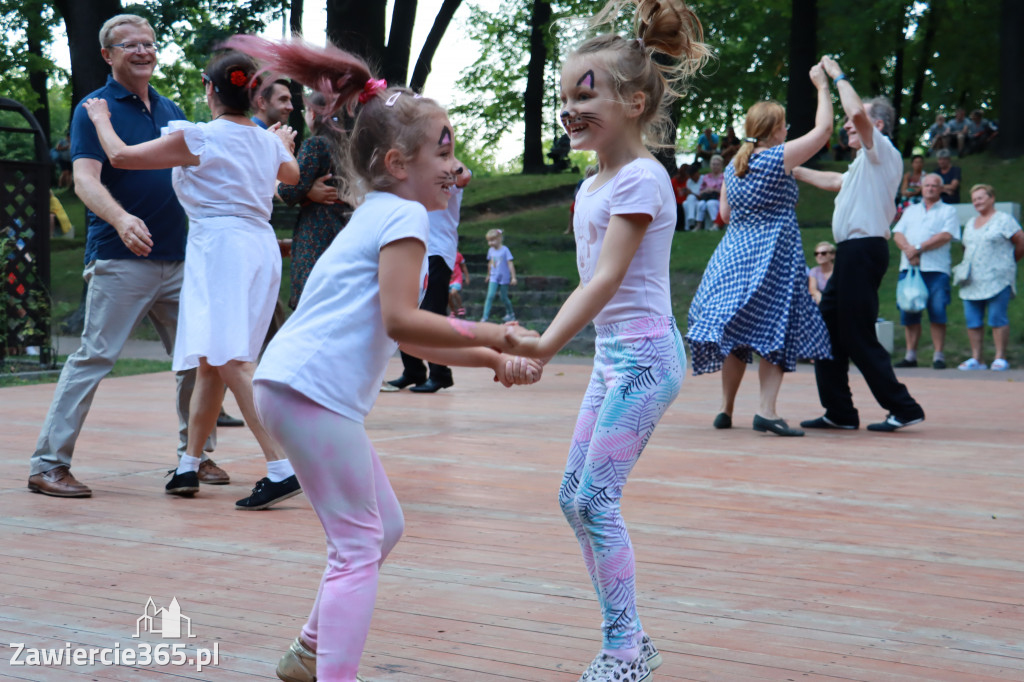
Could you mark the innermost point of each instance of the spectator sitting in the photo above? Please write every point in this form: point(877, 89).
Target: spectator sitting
point(951, 177)
point(707, 145)
point(841, 150)
point(692, 190)
point(910, 190)
point(980, 131)
point(730, 145)
point(709, 194)
point(956, 131)
point(937, 134)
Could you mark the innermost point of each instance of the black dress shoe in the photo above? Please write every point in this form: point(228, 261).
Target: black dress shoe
point(432, 386)
point(905, 363)
point(826, 423)
point(186, 484)
point(403, 381)
point(722, 421)
point(777, 426)
point(224, 419)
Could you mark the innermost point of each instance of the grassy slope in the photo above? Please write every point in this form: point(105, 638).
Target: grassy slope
point(534, 236)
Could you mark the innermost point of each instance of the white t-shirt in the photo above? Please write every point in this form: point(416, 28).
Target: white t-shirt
point(866, 204)
point(334, 348)
point(444, 229)
point(642, 186)
point(228, 153)
point(919, 225)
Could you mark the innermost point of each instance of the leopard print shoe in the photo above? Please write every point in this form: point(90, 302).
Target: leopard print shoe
point(606, 668)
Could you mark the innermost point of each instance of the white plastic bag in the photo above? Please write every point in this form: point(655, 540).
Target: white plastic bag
point(911, 292)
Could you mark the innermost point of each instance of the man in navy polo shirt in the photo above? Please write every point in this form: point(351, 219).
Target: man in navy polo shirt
point(134, 253)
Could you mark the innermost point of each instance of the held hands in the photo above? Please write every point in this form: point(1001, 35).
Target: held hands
point(97, 109)
point(818, 77)
point(516, 371)
point(831, 67)
point(287, 135)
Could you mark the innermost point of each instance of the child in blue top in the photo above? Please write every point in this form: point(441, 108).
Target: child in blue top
point(500, 273)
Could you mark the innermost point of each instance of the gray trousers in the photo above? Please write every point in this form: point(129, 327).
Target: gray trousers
point(121, 292)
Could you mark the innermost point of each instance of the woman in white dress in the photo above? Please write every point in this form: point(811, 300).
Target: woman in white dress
point(225, 174)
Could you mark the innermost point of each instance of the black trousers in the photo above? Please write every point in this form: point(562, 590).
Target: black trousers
point(849, 305)
point(436, 301)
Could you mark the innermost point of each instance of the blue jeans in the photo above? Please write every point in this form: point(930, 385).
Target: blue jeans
point(938, 299)
point(492, 288)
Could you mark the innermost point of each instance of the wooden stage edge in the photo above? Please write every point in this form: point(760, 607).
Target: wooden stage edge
point(838, 556)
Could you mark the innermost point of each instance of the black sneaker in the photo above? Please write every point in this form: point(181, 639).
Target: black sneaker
point(186, 484)
point(938, 364)
point(905, 363)
point(267, 493)
point(893, 423)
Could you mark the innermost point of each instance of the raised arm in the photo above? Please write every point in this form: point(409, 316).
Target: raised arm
point(795, 152)
point(164, 152)
point(852, 104)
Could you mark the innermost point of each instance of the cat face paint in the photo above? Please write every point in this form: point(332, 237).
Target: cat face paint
point(446, 137)
point(586, 80)
point(590, 106)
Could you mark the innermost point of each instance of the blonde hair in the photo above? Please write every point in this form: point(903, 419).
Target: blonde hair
point(493, 234)
point(121, 20)
point(762, 119)
point(668, 27)
point(830, 245)
point(985, 188)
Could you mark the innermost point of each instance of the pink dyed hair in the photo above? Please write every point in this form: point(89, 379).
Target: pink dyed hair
point(338, 75)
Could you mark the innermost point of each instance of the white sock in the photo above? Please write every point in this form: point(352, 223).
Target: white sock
point(911, 355)
point(627, 655)
point(279, 469)
point(187, 463)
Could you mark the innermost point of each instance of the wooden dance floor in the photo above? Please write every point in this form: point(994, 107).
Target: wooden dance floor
point(838, 556)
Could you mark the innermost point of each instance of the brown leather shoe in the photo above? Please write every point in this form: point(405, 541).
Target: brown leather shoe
point(58, 482)
point(212, 474)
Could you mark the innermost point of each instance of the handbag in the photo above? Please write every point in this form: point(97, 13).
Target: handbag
point(962, 273)
point(911, 292)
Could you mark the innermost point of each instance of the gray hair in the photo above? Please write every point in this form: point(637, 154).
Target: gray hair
point(932, 175)
point(880, 109)
point(942, 154)
point(121, 20)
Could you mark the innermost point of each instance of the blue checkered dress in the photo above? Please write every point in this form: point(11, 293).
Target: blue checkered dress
point(753, 297)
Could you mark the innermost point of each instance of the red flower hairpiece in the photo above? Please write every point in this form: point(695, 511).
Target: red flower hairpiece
point(372, 87)
point(238, 78)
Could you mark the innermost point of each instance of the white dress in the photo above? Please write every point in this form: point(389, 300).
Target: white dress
point(232, 260)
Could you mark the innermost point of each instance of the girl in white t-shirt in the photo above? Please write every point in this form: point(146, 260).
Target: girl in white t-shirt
point(225, 174)
point(320, 375)
point(614, 98)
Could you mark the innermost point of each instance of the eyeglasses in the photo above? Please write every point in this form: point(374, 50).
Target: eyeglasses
point(137, 47)
point(822, 253)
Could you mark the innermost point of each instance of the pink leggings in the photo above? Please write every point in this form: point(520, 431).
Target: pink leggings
point(343, 479)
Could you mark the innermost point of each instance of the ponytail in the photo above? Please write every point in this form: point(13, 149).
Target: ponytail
point(762, 119)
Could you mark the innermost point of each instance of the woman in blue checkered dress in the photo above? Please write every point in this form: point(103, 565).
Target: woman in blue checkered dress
point(753, 297)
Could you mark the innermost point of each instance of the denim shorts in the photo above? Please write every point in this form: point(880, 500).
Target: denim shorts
point(974, 311)
point(938, 299)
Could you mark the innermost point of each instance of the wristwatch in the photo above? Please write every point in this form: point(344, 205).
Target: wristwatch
point(918, 247)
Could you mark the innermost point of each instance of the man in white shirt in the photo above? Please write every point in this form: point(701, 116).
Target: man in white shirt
point(864, 209)
point(923, 234)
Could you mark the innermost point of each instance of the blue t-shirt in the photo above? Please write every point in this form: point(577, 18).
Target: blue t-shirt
point(146, 194)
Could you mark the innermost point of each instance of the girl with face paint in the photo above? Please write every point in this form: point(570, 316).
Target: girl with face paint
point(322, 372)
point(614, 102)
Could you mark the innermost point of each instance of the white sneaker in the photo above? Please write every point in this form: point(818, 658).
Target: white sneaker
point(606, 668)
point(999, 365)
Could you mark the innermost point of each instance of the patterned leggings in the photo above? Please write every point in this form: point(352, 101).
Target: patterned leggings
point(343, 479)
point(639, 367)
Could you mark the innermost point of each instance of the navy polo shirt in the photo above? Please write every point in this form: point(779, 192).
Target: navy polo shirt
point(147, 194)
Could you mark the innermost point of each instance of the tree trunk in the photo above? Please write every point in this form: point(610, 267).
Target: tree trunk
point(437, 30)
point(295, 18)
point(801, 100)
point(36, 35)
point(533, 98)
point(396, 56)
point(1011, 56)
point(295, 119)
point(930, 23)
point(83, 19)
point(899, 39)
point(358, 26)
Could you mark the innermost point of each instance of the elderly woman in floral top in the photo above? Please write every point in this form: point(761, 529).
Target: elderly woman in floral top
point(993, 243)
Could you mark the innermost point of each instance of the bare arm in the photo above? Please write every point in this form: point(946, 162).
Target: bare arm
point(812, 287)
point(723, 205)
point(98, 199)
point(510, 370)
point(1018, 244)
point(796, 152)
point(621, 241)
point(852, 104)
point(829, 180)
point(512, 273)
point(164, 152)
